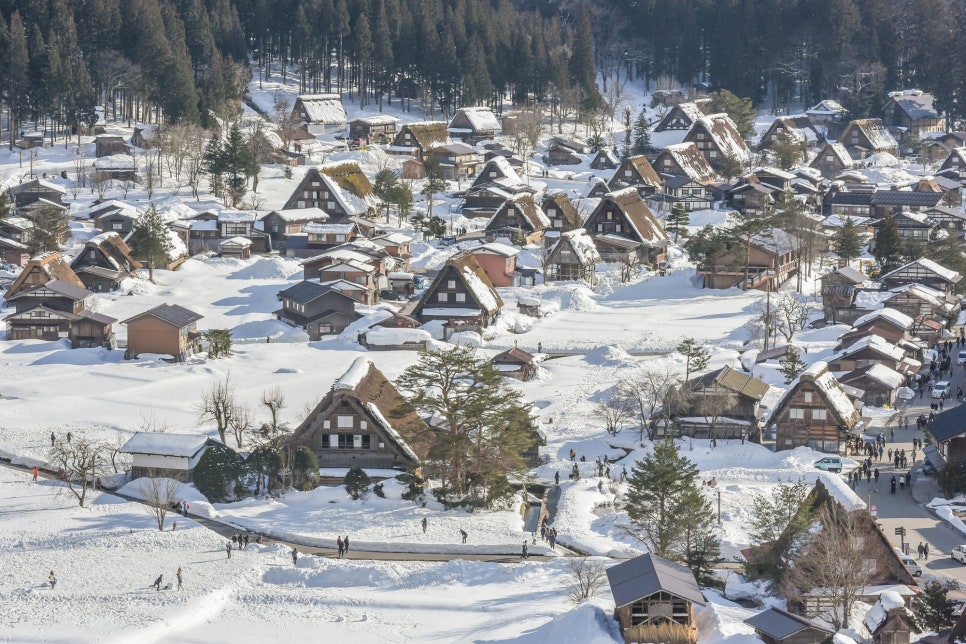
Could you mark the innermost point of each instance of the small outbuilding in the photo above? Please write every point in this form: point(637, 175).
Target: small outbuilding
point(158, 454)
point(776, 626)
point(515, 363)
point(237, 247)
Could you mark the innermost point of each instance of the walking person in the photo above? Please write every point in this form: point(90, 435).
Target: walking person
point(68, 437)
point(526, 554)
point(295, 557)
point(338, 543)
point(556, 478)
point(553, 539)
point(157, 582)
point(425, 523)
point(345, 544)
point(875, 475)
point(180, 579)
point(925, 551)
point(53, 439)
point(52, 580)
point(36, 473)
point(919, 551)
point(463, 535)
point(228, 548)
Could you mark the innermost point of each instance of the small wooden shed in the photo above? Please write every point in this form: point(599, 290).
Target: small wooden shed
point(776, 626)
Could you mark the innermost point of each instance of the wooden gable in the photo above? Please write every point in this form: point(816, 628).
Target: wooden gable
point(561, 212)
point(625, 214)
point(636, 171)
point(463, 287)
point(40, 270)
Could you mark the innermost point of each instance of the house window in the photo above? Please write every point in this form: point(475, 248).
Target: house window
point(461, 297)
point(326, 424)
point(345, 421)
point(442, 297)
point(627, 173)
point(357, 441)
point(600, 228)
point(492, 173)
point(363, 425)
point(117, 225)
point(712, 154)
point(808, 396)
point(340, 238)
point(93, 254)
point(818, 414)
point(330, 205)
point(451, 284)
point(610, 216)
point(796, 414)
point(551, 211)
point(333, 440)
point(617, 228)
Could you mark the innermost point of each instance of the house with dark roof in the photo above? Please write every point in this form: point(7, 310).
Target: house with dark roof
point(417, 139)
point(280, 224)
point(461, 294)
point(948, 430)
point(815, 412)
point(923, 271)
point(379, 128)
point(624, 229)
point(41, 269)
point(56, 310)
point(457, 161)
point(340, 190)
point(605, 159)
point(167, 329)
point(797, 129)
point(912, 226)
point(838, 292)
point(864, 137)
point(653, 596)
point(776, 626)
point(474, 124)
point(561, 212)
point(319, 309)
point(357, 424)
point(30, 192)
point(515, 363)
point(104, 262)
point(635, 171)
point(319, 113)
point(955, 162)
point(890, 202)
point(520, 219)
point(841, 200)
point(684, 159)
point(913, 113)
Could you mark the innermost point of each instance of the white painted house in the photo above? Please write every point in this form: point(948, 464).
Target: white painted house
point(170, 455)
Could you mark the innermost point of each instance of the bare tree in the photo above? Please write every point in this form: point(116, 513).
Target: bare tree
point(712, 406)
point(80, 462)
point(151, 422)
point(526, 135)
point(160, 494)
point(218, 405)
point(274, 401)
point(790, 315)
point(647, 391)
point(242, 422)
point(113, 450)
point(614, 411)
point(587, 578)
point(832, 564)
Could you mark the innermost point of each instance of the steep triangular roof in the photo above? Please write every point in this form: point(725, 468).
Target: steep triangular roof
point(828, 388)
point(425, 134)
point(724, 134)
point(641, 173)
point(533, 216)
point(465, 268)
point(688, 159)
point(645, 227)
point(564, 206)
point(40, 270)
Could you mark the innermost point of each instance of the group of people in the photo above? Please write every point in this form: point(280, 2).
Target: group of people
point(160, 580)
point(923, 550)
point(343, 545)
point(548, 534)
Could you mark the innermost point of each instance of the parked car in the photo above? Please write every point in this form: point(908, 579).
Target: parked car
point(830, 464)
point(928, 468)
point(961, 358)
point(941, 389)
point(959, 554)
point(914, 568)
point(447, 241)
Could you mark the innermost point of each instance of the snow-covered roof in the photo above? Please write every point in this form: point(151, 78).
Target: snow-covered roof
point(385, 336)
point(391, 431)
point(498, 249)
point(897, 318)
point(451, 312)
point(343, 285)
point(915, 103)
point(328, 229)
point(689, 158)
point(349, 380)
point(827, 108)
point(242, 242)
point(929, 265)
point(299, 214)
point(378, 119)
point(484, 293)
point(480, 118)
point(237, 216)
point(115, 162)
point(885, 375)
point(176, 246)
point(350, 203)
point(323, 108)
point(164, 444)
point(874, 342)
point(839, 490)
point(582, 245)
point(725, 135)
point(888, 601)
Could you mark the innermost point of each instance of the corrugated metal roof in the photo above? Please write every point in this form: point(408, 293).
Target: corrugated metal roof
point(645, 575)
point(780, 624)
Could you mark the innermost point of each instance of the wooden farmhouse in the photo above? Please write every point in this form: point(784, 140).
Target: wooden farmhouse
point(41, 269)
point(771, 261)
point(776, 626)
point(636, 171)
point(561, 212)
point(235, 247)
point(912, 112)
point(797, 129)
point(886, 203)
point(624, 229)
point(499, 262)
point(496, 182)
point(417, 139)
point(457, 161)
point(104, 263)
point(889, 621)
point(520, 219)
point(923, 303)
point(923, 271)
point(838, 293)
point(653, 596)
point(573, 257)
point(832, 160)
point(58, 310)
point(815, 412)
point(717, 137)
point(948, 431)
point(683, 115)
point(355, 425)
point(318, 309)
point(163, 455)
point(605, 159)
point(879, 382)
point(955, 163)
point(115, 216)
point(106, 145)
point(19, 229)
point(827, 112)
point(167, 329)
point(515, 363)
point(566, 151)
point(474, 124)
point(37, 190)
point(319, 113)
point(14, 252)
point(460, 294)
point(684, 159)
point(871, 350)
point(380, 129)
point(865, 137)
point(340, 190)
point(721, 404)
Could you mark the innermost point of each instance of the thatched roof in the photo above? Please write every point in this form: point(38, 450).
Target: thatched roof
point(42, 269)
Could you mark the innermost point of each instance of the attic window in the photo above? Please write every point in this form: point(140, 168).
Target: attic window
point(451, 284)
point(345, 421)
point(627, 173)
point(808, 396)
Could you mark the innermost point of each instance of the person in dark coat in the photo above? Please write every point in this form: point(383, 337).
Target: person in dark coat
point(295, 556)
point(892, 484)
point(180, 580)
point(228, 548)
point(345, 544)
point(338, 542)
point(425, 523)
point(526, 554)
point(463, 535)
point(53, 439)
point(157, 582)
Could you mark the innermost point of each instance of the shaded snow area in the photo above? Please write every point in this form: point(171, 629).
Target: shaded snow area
point(105, 558)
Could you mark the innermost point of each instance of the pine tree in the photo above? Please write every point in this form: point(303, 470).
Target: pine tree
point(888, 245)
point(50, 229)
point(729, 166)
point(582, 71)
point(356, 482)
point(667, 509)
point(848, 242)
point(435, 182)
point(230, 163)
point(642, 134)
point(932, 609)
point(677, 221)
point(149, 239)
point(791, 366)
point(696, 357)
point(705, 248)
point(485, 424)
point(384, 186)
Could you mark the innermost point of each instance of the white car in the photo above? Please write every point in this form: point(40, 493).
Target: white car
point(941, 389)
point(830, 464)
point(961, 358)
point(911, 565)
point(959, 554)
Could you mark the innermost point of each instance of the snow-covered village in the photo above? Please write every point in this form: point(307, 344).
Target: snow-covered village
point(577, 344)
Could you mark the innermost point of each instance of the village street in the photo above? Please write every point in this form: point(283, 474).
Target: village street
point(904, 508)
